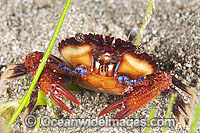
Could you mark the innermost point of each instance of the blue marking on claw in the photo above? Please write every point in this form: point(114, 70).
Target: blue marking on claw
point(68, 69)
point(126, 79)
point(78, 69)
point(64, 67)
point(83, 71)
point(131, 82)
point(60, 65)
point(120, 79)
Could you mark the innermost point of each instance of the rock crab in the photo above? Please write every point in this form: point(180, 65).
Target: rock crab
point(104, 64)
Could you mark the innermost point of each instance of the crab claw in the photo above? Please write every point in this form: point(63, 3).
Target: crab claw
point(54, 75)
point(140, 94)
point(56, 90)
point(116, 104)
point(59, 89)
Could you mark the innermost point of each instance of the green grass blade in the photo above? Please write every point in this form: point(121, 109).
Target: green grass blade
point(37, 126)
point(168, 112)
point(196, 116)
point(146, 20)
point(150, 117)
point(41, 66)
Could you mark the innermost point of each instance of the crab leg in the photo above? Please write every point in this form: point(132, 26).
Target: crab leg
point(33, 99)
point(180, 108)
point(140, 94)
point(13, 71)
point(185, 88)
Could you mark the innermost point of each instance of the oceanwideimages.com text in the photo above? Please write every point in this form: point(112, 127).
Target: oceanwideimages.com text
point(47, 121)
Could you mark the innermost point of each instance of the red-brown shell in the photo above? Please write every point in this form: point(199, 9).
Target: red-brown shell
point(106, 44)
point(106, 57)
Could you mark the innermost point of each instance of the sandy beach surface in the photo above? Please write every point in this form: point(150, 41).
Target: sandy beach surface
point(172, 37)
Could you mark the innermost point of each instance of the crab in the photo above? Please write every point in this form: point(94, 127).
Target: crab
point(104, 64)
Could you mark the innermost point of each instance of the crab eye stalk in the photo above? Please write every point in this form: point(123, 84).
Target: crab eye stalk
point(79, 37)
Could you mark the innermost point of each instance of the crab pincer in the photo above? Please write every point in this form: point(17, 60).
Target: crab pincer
point(50, 79)
point(56, 90)
point(139, 94)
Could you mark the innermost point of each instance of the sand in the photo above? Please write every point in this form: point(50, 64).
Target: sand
point(172, 37)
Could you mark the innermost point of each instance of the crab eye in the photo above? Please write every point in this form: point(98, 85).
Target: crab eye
point(80, 37)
